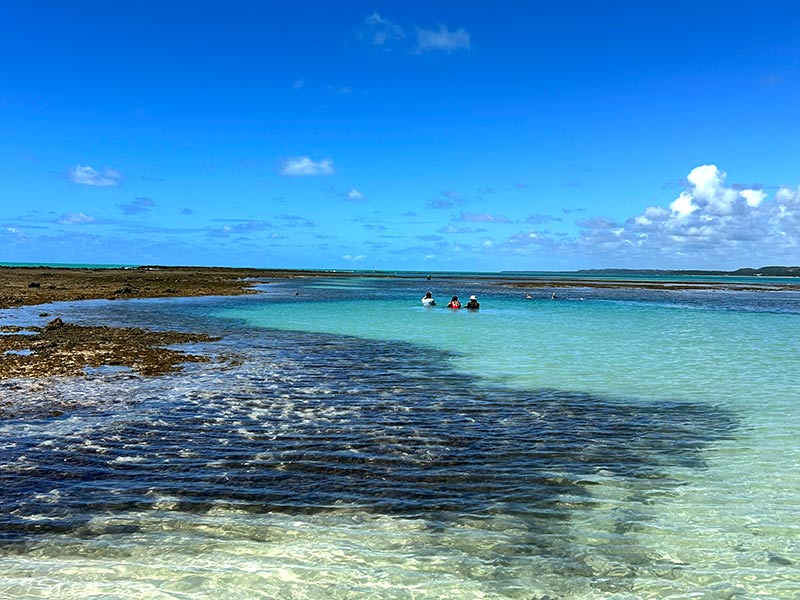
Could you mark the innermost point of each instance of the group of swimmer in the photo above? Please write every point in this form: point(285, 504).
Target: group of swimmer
point(473, 304)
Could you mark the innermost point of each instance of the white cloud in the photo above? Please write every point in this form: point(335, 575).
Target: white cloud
point(443, 39)
point(75, 219)
point(355, 195)
point(356, 258)
point(653, 214)
point(709, 192)
point(706, 179)
point(302, 166)
point(710, 225)
point(387, 34)
point(383, 31)
point(753, 197)
point(683, 205)
point(86, 175)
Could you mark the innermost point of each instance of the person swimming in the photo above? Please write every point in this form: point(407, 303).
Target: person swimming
point(427, 300)
point(454, 303)
point(473, 303)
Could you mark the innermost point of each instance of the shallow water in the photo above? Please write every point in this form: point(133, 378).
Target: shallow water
point(609, 444)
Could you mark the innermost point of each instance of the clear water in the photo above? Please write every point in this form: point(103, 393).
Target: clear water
point(352, 444)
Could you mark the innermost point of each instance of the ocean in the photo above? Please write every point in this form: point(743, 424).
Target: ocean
point(346, 442)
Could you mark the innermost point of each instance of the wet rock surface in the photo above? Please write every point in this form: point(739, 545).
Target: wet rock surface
point(40, 285)
point(65, 349)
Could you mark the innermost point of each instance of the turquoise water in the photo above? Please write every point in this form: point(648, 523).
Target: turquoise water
point(607, 444)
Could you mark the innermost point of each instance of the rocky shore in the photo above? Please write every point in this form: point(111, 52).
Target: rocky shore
point(68, 350)
point(40, 285)
point(65, 349)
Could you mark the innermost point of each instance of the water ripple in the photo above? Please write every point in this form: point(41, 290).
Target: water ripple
point(313, 423)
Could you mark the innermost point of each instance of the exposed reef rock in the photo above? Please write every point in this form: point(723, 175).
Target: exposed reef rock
point(63, 349)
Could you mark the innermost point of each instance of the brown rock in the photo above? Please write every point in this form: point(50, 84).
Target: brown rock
point(56, 323)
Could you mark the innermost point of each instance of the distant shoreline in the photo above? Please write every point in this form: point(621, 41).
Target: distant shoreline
point(770, 271)
point(777, 271)
point(25, 286)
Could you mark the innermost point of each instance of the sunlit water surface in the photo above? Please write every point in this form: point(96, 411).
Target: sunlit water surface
point(345, 442)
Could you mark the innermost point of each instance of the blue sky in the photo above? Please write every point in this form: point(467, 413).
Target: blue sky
point(415, 135)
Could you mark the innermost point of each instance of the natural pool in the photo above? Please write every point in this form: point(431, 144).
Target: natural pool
point(608, 444)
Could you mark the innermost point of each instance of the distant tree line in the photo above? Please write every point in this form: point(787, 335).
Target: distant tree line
point(773, 271)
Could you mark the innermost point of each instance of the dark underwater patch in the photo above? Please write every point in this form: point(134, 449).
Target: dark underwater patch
point(317, 422)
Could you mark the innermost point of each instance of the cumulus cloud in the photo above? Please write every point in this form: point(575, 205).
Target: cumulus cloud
point(303, 166)
point(753, 197)
point(711, 224)
point(137, 206)
point(356, 258)
point(683, 205)
point(355, 195)
point(429, 40)
point(86, 175)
